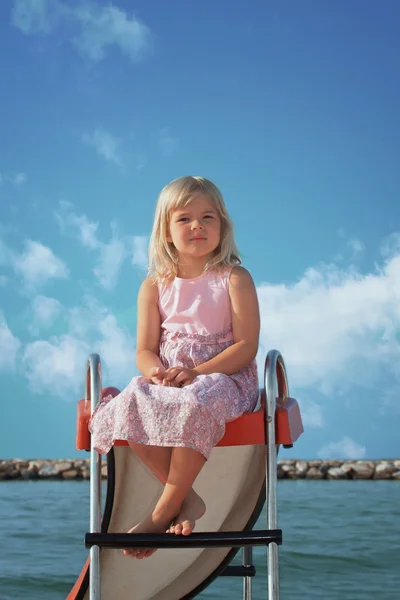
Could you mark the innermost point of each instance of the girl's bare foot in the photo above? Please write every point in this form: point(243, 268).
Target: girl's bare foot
point(156, 522)
point(193, 508)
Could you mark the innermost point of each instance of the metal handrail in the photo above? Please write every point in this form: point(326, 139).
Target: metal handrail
point(275, 385)
point(93, 395)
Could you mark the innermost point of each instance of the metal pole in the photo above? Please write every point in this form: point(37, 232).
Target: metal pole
point(274, 361)
point(93, 393)
point(247, 561)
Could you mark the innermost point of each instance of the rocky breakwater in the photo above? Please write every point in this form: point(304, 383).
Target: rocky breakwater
point(339, 469)
point(63, 469)
point(78, 469)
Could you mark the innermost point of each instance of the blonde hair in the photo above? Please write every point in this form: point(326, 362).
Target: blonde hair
point(163, 261)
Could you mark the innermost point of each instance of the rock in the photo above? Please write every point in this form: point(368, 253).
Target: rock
point(396, 464)
point(49, 472)
point(314, 473)
point(337, 473)
point(280, 473)
point(324, 468)
point(71, 474)
point(104, 472)
point(21, 464)
point(29, 473)
point(396, 475)
point(81, 463)
point(85, 474)
point(314, 463)
point(384, 470)
point(359, 470)
point(301, 468)
point(62, 466)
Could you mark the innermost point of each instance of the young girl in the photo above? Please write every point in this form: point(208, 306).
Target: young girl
point(197, 338)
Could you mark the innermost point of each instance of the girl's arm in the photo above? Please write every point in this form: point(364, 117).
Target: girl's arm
point(148, 329)
point(246, 327)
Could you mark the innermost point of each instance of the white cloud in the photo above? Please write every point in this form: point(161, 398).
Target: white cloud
point(112, 254)
point(110, 26)
point(111, 258)
point(311, 414)
point(57, 365)
point(87, 230)
point(391, 246)
point(105, 144)
point(19, 179)
point(39, 264)
point(167, 143)
point(336, 328)
point(356, 247)
point(140, 255)
point(346, 448)
point(4, 253)
point(9, 346)
point(35, 16)
point(16, 179)
point(95, 28)
point(44, 312)
point(117, 349)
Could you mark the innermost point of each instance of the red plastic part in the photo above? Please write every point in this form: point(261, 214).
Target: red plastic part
point(249, 429)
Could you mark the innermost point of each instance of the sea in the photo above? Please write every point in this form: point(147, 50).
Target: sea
point(341, 541)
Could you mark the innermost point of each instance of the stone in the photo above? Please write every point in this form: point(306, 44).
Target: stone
point(337, 473)
point(359, 470)
point(301, 468)
point(396, 475)
point(81, 463)
point(104, 472)
point(314, 463)
point(21, 464)
point(29, 473)
point(315, 473)
point(34, 465)
point(396, 464)
point(62, 466)
point(384, 470)
point(49, 472)
point(280, 473)
point(324, 467)
point(71, 474)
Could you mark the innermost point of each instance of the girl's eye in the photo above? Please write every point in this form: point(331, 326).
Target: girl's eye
point(182, 219)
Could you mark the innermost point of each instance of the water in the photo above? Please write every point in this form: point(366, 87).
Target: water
point(341, 541)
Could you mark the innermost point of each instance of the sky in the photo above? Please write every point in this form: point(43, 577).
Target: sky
point(291, 108)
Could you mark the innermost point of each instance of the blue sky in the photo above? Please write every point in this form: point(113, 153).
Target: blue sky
point(290, 107)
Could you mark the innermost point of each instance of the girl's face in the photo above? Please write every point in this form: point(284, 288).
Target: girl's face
point(195, 229)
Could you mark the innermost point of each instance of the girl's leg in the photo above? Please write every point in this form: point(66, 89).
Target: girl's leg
point(184, 467)
point(158, 459)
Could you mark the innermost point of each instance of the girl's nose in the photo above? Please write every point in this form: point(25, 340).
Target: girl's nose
point(197, 224)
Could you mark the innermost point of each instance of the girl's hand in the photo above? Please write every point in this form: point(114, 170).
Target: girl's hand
point(179, 376)
point(157, 375)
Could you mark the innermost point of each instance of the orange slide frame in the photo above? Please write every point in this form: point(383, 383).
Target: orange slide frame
point(249, 429)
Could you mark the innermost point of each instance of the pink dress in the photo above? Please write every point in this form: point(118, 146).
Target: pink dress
point(196, 326)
